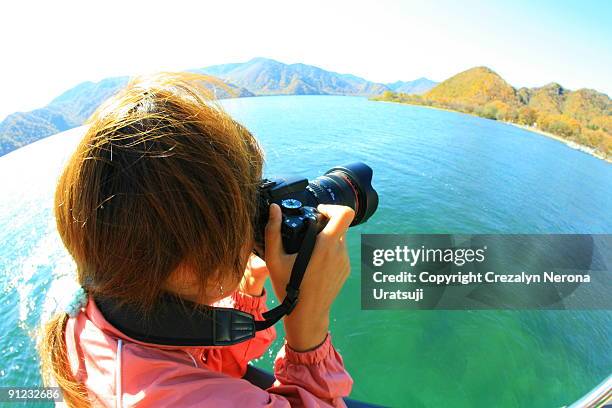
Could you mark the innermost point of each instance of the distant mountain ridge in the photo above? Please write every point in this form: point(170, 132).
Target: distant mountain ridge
point(69, 110)
point(583, 116)
point(259, 76)
point(418, 86)
point(264, 76)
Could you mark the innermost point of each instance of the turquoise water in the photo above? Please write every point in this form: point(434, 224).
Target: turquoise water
point(435, 171)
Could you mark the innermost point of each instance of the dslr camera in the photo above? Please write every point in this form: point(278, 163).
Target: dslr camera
point(349, 185)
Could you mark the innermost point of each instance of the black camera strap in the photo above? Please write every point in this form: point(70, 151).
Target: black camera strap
point(177, 322)
point(297, 274)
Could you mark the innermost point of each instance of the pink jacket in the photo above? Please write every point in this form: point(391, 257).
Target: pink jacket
point(121, 372)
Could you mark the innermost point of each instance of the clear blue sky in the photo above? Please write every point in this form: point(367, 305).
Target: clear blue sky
point(51, 46)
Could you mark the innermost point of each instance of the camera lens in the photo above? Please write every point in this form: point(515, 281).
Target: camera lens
point(349, 185)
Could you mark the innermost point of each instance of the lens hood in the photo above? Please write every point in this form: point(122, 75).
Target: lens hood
point(360, 175)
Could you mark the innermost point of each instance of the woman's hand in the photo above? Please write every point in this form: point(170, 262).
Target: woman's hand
point(254, 276)
point(307, 325)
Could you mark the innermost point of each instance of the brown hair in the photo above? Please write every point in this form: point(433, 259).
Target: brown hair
point(162, 179)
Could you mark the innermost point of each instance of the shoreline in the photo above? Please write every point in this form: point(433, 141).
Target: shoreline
point(576, 146)
point(568, 143)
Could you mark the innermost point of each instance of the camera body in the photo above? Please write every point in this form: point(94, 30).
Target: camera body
point(295, 215)
point(349, 185)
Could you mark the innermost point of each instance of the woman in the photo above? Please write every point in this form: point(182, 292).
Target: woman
point(160, 197)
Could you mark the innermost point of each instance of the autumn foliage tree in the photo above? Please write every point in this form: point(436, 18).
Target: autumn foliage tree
point(527, 116)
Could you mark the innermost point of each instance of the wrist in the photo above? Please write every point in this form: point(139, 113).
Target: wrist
point(305, 332)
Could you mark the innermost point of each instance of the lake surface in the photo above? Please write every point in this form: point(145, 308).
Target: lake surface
point(435, 172)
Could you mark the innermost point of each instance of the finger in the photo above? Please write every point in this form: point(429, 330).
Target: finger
point(343, 243)
point(340, 217)
point(273, 241)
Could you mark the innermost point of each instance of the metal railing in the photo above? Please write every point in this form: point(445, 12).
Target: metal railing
point(599, 396)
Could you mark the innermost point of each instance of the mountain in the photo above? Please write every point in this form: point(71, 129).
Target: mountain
point(71, 109)
point(548, 98)
point(259, 76)
point(264, 76)
point(68, 110)
point(583, 116)
point(418, 86)
point(475, 86)
point(553, 99)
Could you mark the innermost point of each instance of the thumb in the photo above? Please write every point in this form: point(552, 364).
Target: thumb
point(273, 241)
